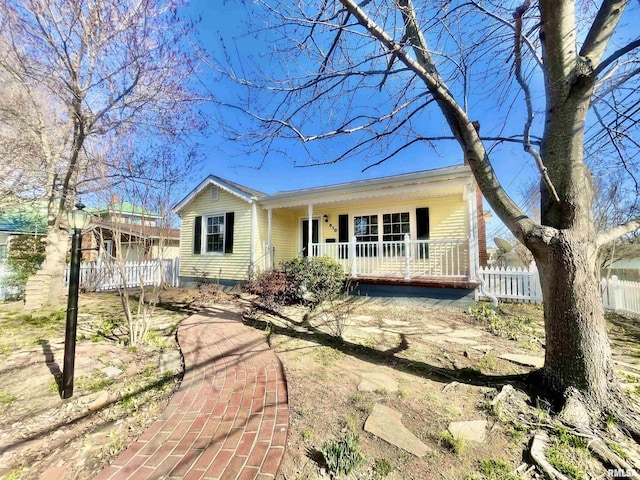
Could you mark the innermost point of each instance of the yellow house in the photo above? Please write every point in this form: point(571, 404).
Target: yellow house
point(415, 229)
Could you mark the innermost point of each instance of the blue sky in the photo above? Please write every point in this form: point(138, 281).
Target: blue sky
point(228, 160)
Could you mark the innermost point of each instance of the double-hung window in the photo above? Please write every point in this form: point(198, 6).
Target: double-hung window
point(365, 229)
point(214, 234)
point(394, 228)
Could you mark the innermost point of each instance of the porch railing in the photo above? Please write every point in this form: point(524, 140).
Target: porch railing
point(406, 258)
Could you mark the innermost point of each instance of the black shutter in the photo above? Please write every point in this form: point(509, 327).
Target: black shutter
point(343, 235)
point(197, 236)
point(228, 234)
point(422, 230)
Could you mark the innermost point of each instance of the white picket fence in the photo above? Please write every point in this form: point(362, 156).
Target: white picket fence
point(523, 285)
point(103, 276)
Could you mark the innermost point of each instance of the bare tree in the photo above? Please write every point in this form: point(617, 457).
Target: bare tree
point(366, 76)
point(76, 78)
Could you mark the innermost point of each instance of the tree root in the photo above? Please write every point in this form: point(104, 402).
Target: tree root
point(606, 456)
point(538, 447)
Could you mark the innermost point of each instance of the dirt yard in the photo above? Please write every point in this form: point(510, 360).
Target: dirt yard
point(117, 390)
point(448, 368)
point(444, 365)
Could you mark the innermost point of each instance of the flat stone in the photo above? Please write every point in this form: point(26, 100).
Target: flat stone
point(474, 430)
point(372, 381)
point(371, 329)
point(111, 372)
point(384, 422)
point(468, 333)
point(526, 360)
point(483, 348)
point(170, 362)
point(460, 341)
point(396, 323)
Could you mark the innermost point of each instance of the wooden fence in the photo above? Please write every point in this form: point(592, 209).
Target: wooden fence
point(104, 276)
point(523, 285)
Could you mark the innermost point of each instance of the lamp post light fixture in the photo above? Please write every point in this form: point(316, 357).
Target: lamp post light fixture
point(78, 220)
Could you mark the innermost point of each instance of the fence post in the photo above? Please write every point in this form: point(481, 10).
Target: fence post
point(615, 293)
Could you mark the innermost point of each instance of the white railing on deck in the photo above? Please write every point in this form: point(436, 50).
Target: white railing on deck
point(407, 258)
point(102, 276)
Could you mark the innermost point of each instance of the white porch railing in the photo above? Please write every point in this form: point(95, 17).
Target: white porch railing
point(406, 258)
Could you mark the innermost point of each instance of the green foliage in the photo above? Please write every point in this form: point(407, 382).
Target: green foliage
point(26, 254)
point(344, 455)
point(455, 444)
point(7, 398)
point(505, 326)
point(382, 467)
point(568, 453)
point(494, 470)
point(618, 450)
point(315, 279)
point(302, 280)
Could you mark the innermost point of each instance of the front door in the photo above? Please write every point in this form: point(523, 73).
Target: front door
point(305, 235)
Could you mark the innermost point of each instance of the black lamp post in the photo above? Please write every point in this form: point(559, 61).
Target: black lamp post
point(78, 220)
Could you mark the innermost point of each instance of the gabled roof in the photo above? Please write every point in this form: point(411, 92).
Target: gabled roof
point(405, 182)
point(249, 195)
point(29, 218)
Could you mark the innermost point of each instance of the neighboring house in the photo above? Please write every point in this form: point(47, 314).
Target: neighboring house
point(27, 219)
point(422, 229)
point(136, 230)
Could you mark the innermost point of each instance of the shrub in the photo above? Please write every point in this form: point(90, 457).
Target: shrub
point(314, 279)
point(273, 289)
point(26, 254)
point(344, 455)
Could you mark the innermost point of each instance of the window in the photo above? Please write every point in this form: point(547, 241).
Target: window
point(394, 226)
point(214, 234)
point(365, 229)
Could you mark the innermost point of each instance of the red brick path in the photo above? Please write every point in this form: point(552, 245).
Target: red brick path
point(228, 419)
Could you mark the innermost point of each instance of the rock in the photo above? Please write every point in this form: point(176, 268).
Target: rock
point(170, 362)
point(468, 333)
point(373, 381)
point(111, 372)
point(526, 360)
point(384, 422)
point(474, 430)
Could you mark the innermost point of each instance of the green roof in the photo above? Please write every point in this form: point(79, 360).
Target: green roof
point(122, 207)
point(30, 218)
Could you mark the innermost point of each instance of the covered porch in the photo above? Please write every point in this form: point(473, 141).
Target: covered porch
point(418, 230)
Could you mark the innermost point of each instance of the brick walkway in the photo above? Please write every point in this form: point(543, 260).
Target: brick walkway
point(228, 419)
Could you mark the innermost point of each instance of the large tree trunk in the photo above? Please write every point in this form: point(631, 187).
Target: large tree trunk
point(46, 286)
point(578, 353)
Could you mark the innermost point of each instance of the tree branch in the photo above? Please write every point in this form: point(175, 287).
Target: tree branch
point(423, 66)
point(615, 56)
point(617, 232)
point(517, 38)
point(600, 33)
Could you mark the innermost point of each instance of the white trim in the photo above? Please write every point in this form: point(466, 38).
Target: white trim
point(203, 234)
point(211, 180)
point(253, 230)
point(304, 218)
point(270, 236)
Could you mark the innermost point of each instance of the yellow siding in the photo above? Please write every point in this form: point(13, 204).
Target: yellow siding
point(232, 266)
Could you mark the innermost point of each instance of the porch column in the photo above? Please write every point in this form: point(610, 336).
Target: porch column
point(252, 252)
point(269, 241)
point(310, 230)
point(473, 232)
